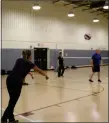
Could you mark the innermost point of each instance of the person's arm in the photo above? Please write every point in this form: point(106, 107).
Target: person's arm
point(40, 71)
point(58, 61)
point(31, 75)
point(92, 61)
point(101, 61)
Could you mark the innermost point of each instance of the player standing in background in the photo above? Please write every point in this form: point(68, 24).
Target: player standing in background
point(60, 65)
point(95, 63)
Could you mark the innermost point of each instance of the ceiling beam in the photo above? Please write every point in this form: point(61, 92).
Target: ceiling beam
point(68, 4)
point(86, 9)
point(97, 10)
point(102, 13)
point(55, 1)
point(81, 5)
point(73, 2)
point(97, 4)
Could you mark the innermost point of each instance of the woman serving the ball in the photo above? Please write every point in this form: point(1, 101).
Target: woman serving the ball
point(24, 56)
point(14, 83)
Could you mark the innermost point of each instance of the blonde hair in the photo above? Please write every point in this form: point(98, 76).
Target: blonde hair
point(26, 54)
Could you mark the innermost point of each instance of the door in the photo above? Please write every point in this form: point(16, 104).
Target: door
point(40, 57)
point(37, 57)
point(44, 59)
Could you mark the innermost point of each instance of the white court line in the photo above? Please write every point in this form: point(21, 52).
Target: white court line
point(24, 117)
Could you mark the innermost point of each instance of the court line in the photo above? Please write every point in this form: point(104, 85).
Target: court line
point(53, 87)
point(57, 87)
point(62, 87)
point(63, 102)
point(23, 117)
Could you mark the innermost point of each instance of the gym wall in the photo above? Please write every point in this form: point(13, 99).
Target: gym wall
point(50, 27)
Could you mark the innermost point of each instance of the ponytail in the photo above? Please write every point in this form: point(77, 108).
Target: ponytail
point(26, 54)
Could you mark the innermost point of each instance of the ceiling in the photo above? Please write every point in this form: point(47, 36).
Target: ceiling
point(93, 6)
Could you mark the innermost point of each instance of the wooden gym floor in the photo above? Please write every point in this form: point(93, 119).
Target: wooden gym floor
point(68, 99)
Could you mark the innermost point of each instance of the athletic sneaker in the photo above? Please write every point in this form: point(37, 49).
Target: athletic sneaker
point(99, 80)
point(90, 80)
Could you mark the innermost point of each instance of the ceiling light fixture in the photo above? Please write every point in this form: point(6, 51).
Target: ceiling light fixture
point(106, 7)
point(36, 7)
point(71, 14)
point(95, 20)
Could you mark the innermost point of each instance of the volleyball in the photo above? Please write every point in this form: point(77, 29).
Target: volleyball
point(87, 36)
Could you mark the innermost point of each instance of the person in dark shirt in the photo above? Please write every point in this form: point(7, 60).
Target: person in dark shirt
point(14, 83)
point(23, 55)
point(95, 63)
point(60, 65)
point(25, 83)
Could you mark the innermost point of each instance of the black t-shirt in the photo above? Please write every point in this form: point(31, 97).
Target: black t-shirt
point(21, 69)
point(60, 60)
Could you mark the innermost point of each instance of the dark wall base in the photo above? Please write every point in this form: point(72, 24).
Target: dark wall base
point(71, 57)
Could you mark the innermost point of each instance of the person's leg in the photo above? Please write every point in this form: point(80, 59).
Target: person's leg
point(91, 76)
point(63, 69)
point(99, 80)
point(59, 71)
point(98, 75)
point(14, 96)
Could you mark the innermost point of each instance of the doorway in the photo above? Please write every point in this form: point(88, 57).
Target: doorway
point(40, 57)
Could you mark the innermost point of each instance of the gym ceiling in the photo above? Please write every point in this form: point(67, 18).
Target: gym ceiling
point(93, 6)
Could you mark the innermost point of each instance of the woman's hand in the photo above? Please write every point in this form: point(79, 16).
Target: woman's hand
point(47, 77)
point(41, 72)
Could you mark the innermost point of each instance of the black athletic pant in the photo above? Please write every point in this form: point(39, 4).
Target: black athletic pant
point(61, 70)
point(14, 89)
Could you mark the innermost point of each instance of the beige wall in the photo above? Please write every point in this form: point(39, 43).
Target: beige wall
point(50, 26)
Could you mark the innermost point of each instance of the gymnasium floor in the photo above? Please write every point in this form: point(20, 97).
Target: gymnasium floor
point(68, 99)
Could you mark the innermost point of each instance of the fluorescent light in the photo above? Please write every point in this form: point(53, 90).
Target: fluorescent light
point(105, 7)
point(95, 20)
point(71, 15)
point(36, 7)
